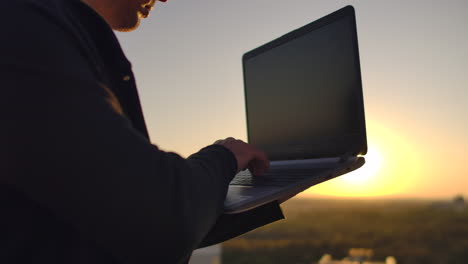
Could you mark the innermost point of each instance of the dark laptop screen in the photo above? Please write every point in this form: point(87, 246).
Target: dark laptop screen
point(303, 92)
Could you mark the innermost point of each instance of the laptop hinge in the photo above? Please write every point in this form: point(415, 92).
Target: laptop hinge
point(345, 157)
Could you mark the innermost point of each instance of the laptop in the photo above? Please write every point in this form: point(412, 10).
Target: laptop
point(304, 108)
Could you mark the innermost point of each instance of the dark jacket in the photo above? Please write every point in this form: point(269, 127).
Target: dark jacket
point(80, 181)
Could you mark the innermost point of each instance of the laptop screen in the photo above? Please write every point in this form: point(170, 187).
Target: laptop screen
point(303, 92)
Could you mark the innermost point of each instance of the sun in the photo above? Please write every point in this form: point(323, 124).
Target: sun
point(368, 170)
point(391, 167)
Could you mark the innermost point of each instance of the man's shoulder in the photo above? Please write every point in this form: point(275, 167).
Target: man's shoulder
point(41, 34)
point(36, 15)
point(8, 7)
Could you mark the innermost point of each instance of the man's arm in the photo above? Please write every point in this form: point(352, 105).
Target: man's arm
point(69, 151)
point(65, 148)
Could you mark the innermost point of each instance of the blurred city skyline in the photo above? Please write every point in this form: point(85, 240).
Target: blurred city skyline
point(187, 60)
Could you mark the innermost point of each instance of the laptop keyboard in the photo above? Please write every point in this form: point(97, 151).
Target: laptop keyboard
point(274, 178)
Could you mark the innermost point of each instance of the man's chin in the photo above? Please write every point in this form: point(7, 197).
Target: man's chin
point(127, 27)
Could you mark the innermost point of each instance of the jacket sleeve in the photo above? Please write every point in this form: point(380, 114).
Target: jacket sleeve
point(69, 151)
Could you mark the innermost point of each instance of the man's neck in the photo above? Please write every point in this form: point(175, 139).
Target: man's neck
point(102, 8)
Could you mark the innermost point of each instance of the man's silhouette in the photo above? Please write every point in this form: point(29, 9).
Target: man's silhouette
point(80, 181)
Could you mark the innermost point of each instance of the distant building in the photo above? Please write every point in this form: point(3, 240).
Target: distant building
point(457, 204)
point(356, 256)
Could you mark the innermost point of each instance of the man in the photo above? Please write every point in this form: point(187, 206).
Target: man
point(80, 181)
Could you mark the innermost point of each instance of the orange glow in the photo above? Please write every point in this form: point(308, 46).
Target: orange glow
point(391, 166)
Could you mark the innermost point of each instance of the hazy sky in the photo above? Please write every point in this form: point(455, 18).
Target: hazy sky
point(414, 62)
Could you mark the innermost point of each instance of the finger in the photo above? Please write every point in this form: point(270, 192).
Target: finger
point(259, 157)
point(262, 156)
point(252, 168)
point(221, 141)
point(259, 168)
point(259, 165)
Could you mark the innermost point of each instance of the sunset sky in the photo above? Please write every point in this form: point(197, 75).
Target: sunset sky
point(414, 62)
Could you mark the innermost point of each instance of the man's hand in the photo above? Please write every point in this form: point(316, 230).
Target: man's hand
point(248, 157)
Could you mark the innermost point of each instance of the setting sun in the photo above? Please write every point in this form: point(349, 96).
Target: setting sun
point(391, 166)
point(364, 174)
